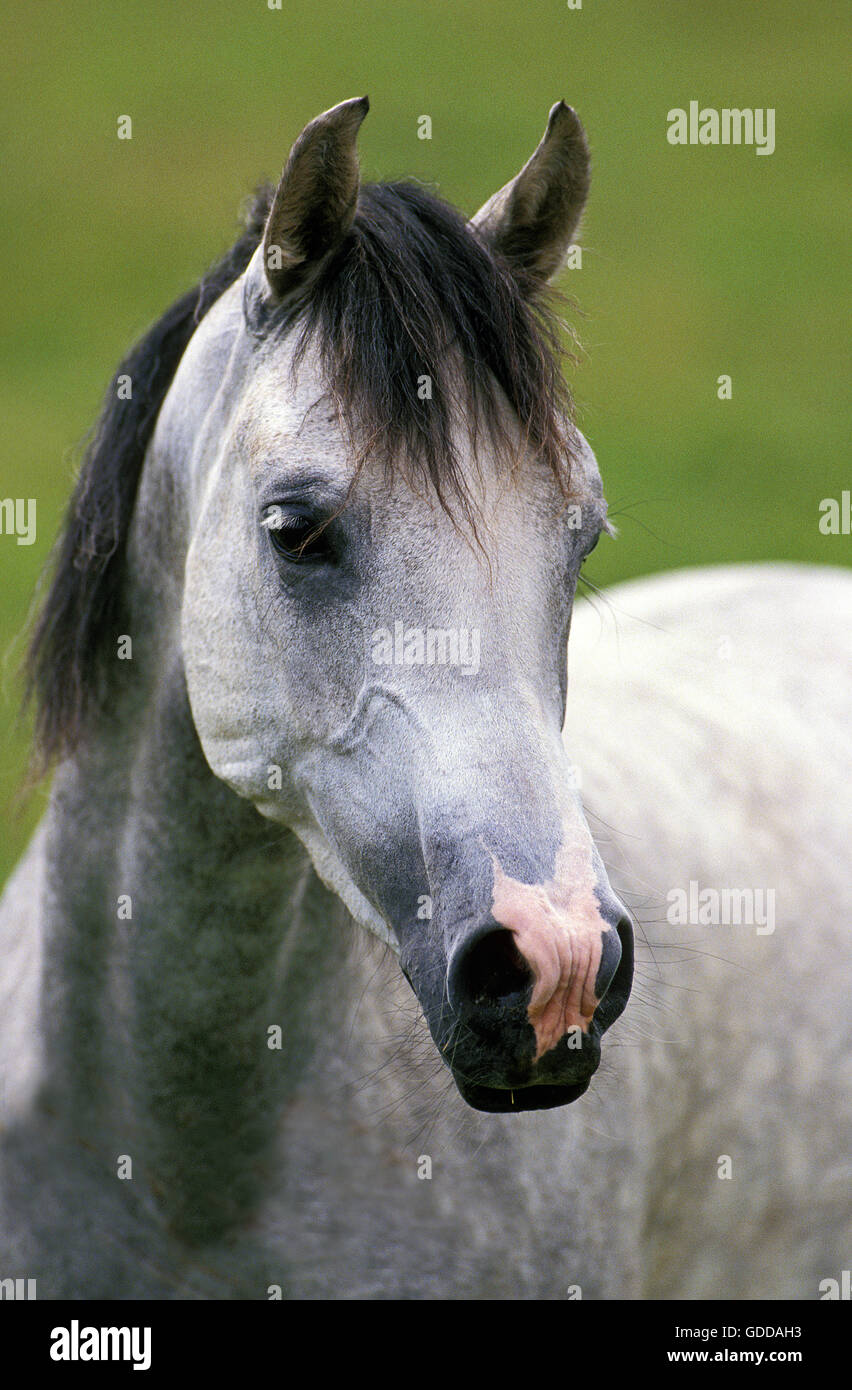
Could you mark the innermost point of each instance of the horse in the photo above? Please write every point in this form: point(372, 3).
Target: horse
point(318, 973)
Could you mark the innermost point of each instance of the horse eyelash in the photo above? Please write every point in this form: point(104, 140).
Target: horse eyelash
point(279, 520)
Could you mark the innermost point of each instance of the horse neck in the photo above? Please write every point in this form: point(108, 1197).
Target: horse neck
point(181, 928)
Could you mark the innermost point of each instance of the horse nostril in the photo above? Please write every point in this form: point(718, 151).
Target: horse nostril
point(490, 971)
point(611, 951)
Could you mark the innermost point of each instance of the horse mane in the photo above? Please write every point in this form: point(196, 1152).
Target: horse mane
point(410, 293)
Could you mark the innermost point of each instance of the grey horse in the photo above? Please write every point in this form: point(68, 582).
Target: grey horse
point(318, 975)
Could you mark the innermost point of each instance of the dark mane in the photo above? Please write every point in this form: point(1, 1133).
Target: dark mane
point(64, 666)
point(411, 293)
point(408, 293)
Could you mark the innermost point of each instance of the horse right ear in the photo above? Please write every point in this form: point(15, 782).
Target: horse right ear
point(314, 203)
point(531, 221)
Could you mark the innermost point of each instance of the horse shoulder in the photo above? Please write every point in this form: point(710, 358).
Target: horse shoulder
point(709, 718)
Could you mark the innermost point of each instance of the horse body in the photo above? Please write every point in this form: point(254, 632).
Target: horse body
point(217, 1084)
point(738, 1044)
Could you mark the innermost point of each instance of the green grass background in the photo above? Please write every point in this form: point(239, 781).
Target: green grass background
point(697, 261)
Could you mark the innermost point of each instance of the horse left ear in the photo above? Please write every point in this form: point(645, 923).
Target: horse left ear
point(532, 220)
point(314, 204)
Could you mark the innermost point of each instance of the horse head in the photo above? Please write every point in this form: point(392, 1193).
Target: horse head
point(388, 508)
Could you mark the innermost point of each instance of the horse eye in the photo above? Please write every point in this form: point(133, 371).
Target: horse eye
point(297, 536)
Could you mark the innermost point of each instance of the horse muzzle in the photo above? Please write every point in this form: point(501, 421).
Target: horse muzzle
point(526, 1001)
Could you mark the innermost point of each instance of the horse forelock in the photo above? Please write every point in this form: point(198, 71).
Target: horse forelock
point(418, 325)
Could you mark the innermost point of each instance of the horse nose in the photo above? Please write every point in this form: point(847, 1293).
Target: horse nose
point(497, 971)
point(611, 951)
point(488, 971)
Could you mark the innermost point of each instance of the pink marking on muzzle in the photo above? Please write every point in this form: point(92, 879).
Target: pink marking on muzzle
point(558, 930)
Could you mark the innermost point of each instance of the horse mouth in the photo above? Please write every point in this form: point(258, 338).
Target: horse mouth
point(500, 1100)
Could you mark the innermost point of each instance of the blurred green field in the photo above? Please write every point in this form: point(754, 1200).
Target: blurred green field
point(698, 261)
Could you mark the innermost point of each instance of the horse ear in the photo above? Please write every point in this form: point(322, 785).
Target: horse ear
point(314, 203)
point(532, 220)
